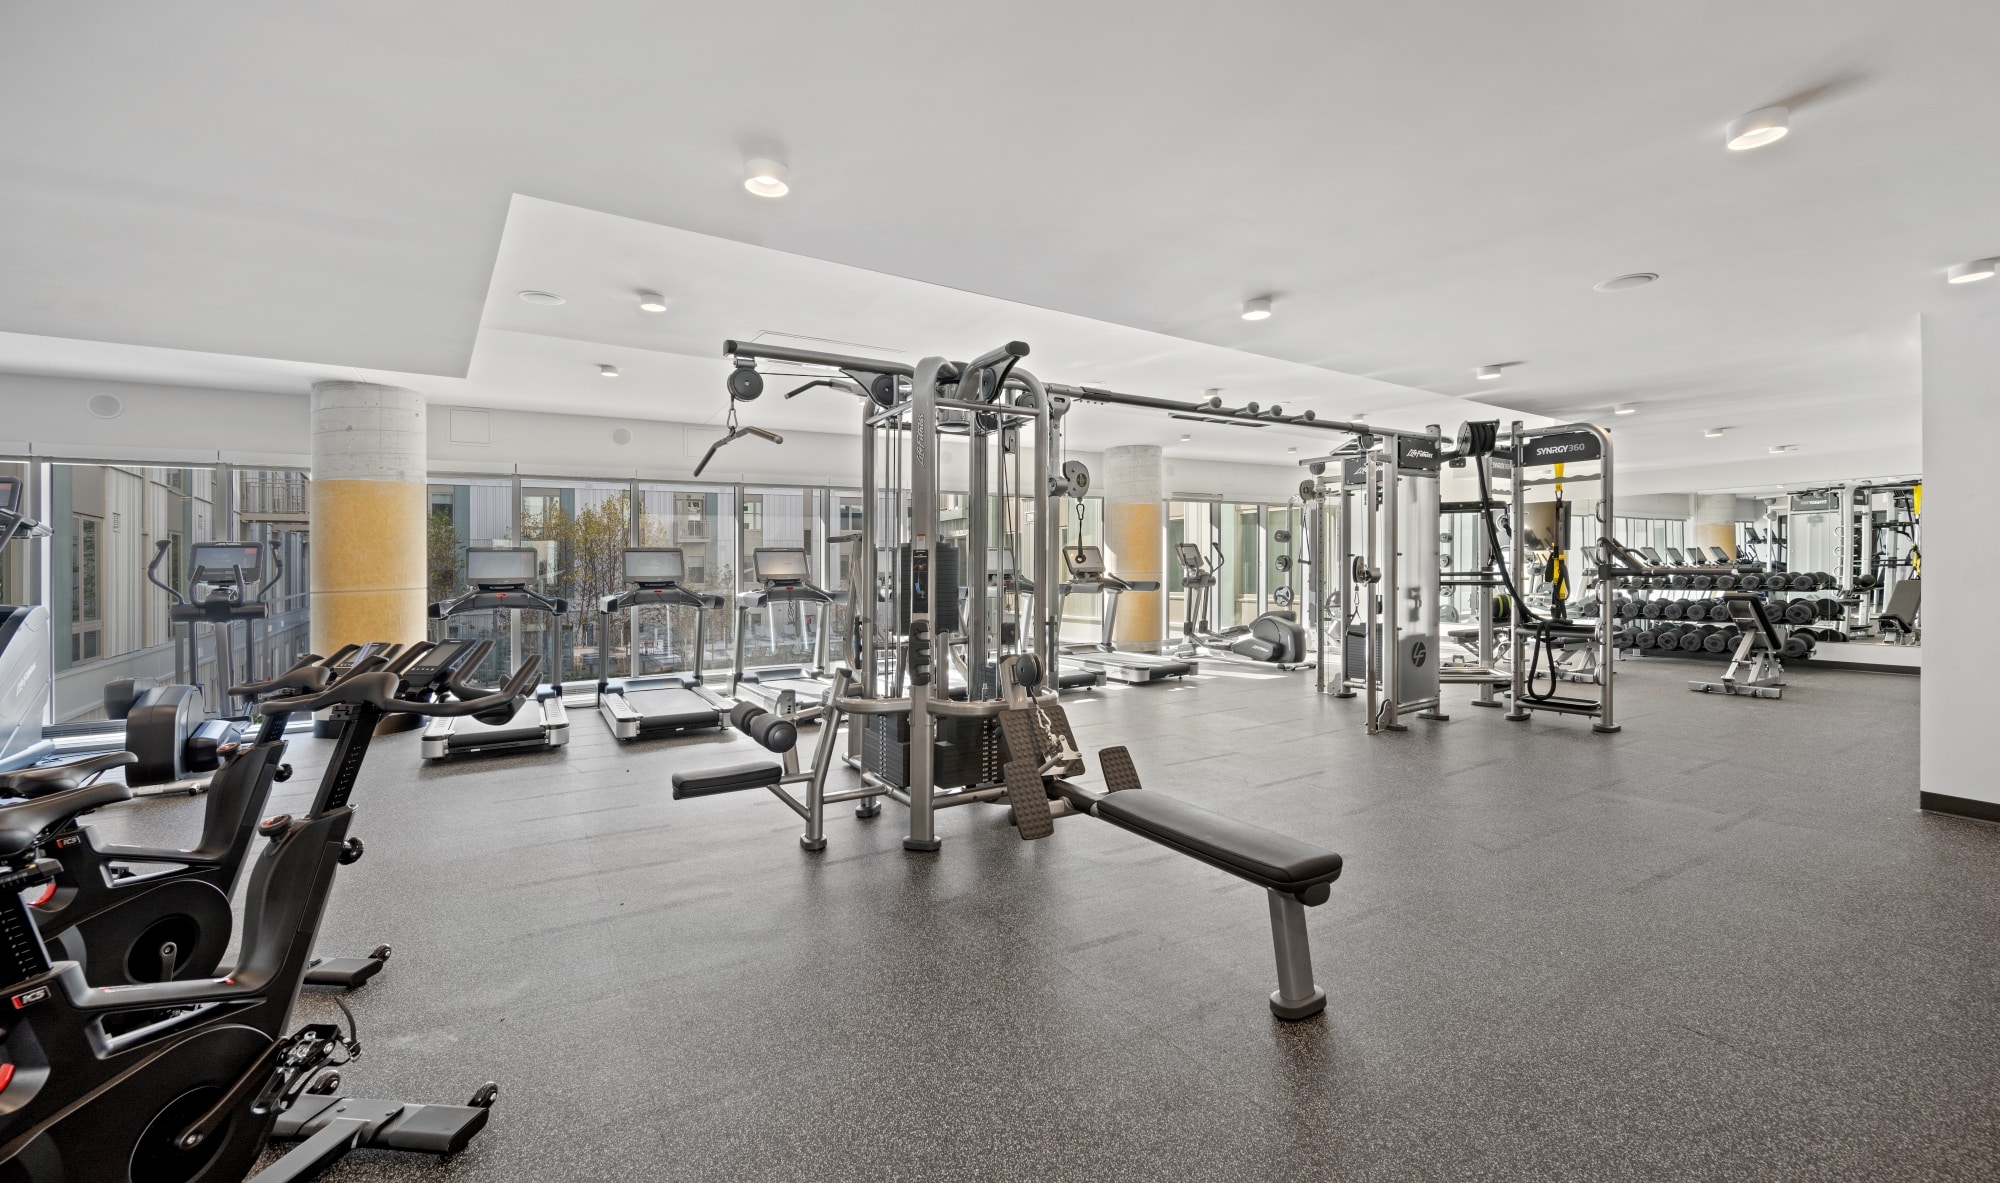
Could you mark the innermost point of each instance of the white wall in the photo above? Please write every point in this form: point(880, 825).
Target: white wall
point(1961, 560)
point(175, 424)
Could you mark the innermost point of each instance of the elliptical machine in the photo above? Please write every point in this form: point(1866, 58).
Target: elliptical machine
point(167, 725)
point(24, 651)
point(189, 1080)
point(1274, 638)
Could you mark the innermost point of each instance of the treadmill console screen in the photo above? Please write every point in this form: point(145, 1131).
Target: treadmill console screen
point(1721, 555)
point(1679, 559)
point(217, 563)
point(1652, 556)
point(509, 566)
point(10, 494)
point(655, 565)
point(1086, 561)
point(783, 565)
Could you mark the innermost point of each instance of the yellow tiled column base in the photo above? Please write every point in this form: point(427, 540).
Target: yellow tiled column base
point(368, 578)
point(1133, 534)
point(1723, 536)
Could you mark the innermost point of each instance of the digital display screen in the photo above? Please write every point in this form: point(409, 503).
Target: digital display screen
point(774, 565)
point(1652, 556)
point(10, 494)
point(500, 564)
point(1721, 555)
point(662, 565)
point(1190, 553)
point(1084, 560)
point(213, 561)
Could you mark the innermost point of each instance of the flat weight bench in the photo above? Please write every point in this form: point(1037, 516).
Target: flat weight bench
point(775, 732)
point(1296, 875)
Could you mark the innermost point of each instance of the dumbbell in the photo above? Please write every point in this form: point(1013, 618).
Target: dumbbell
point(1800, 612)
point(1827, 582)
point(1691, 639)
point(1669, 638)
point(1701, 582)
point(1652, 608)
point(1674, 609)
point(1646, 639)
point(1865, 582)
point(1725, 581)
point(1829, 608)
point(1722, 639)
point(1802, 581)
point(1749, 581)
point(1797, 645)
point(1629, 609)
point(1677, 582)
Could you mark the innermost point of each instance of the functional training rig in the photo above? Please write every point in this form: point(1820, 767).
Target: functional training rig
point(1006, 739)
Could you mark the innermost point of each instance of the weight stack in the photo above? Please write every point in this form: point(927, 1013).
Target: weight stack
point(967, 750)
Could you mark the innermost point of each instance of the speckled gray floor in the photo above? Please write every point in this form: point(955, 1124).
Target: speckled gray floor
point(1723, 944)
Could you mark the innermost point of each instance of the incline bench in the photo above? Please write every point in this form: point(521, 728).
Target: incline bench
point(1754, 669)
point(1040, 753)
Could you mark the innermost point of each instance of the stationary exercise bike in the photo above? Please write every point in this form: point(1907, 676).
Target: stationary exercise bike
point(1274, 638)
point(187, 1081)
point(129, 914)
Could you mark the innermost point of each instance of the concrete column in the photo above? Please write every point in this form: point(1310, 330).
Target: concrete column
point(1135, 540)
point(1961, 564)
point(368, 505)
point(1715, 521)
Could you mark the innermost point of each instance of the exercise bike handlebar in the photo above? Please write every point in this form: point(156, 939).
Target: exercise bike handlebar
point(377, 687)
point(160, 550)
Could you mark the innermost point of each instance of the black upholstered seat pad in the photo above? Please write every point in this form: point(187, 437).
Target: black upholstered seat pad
point(1265, 856)
point(44, 779)
point(729, 778)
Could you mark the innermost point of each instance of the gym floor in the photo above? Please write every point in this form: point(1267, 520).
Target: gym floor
point(1723, 944)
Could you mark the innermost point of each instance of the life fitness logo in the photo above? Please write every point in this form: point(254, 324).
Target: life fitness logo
point(1419, 653)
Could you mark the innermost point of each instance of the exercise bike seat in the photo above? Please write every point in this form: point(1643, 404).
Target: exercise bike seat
point(22, 823)
point(44, 779)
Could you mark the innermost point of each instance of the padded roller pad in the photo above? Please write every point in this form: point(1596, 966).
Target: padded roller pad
point(1267, 858)
point(729, 778)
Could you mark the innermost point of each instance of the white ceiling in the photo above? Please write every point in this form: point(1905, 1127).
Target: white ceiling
point(1425, 189)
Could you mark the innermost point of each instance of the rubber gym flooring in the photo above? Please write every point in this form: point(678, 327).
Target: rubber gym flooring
point(1723, 944)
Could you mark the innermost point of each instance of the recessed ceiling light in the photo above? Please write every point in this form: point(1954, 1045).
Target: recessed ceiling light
point(1186, 438)
point(1488, 373)
point(549, 298)
point(1257, 309)
point(1620, 283)
point(1714, 433)
point(604, 371)
point(1766, 125)
point(766, 177)
point(652, 302)
point(1291, 451)
point(1972, 272)
point(1625, 409)
point(1784, 448)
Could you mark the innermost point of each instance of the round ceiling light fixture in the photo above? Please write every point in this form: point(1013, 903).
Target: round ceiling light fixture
point(1780, 449)
point(1489, 373)
point(1186, 438)
point(106, 406)
point(652, 302)
point(549, 299)
point(1972, 272)
point(766, 177)
point(605, 371)
point(1714, 433)
point(1766, 125)
point(1291, 451)
point(1624, 409)
point(1621, 283)
point(621, 436)
point(1257, 309)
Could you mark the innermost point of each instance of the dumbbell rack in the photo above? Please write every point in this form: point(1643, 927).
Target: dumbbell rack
point(1656, 626)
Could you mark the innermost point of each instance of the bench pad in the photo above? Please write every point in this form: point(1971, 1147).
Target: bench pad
point(1267, 858)
point(729, 778)
point(44, 779)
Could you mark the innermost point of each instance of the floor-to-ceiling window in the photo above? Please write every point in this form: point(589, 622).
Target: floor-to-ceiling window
point(699, 521)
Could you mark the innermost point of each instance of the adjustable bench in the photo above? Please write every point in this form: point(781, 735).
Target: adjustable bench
point(1295, 875)
point(1754, 669)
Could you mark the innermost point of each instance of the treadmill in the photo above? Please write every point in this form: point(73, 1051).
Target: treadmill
point(1003, 576)
point(796, 691)
point(500, 576)
point(641, 706)
point(1087, 575)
